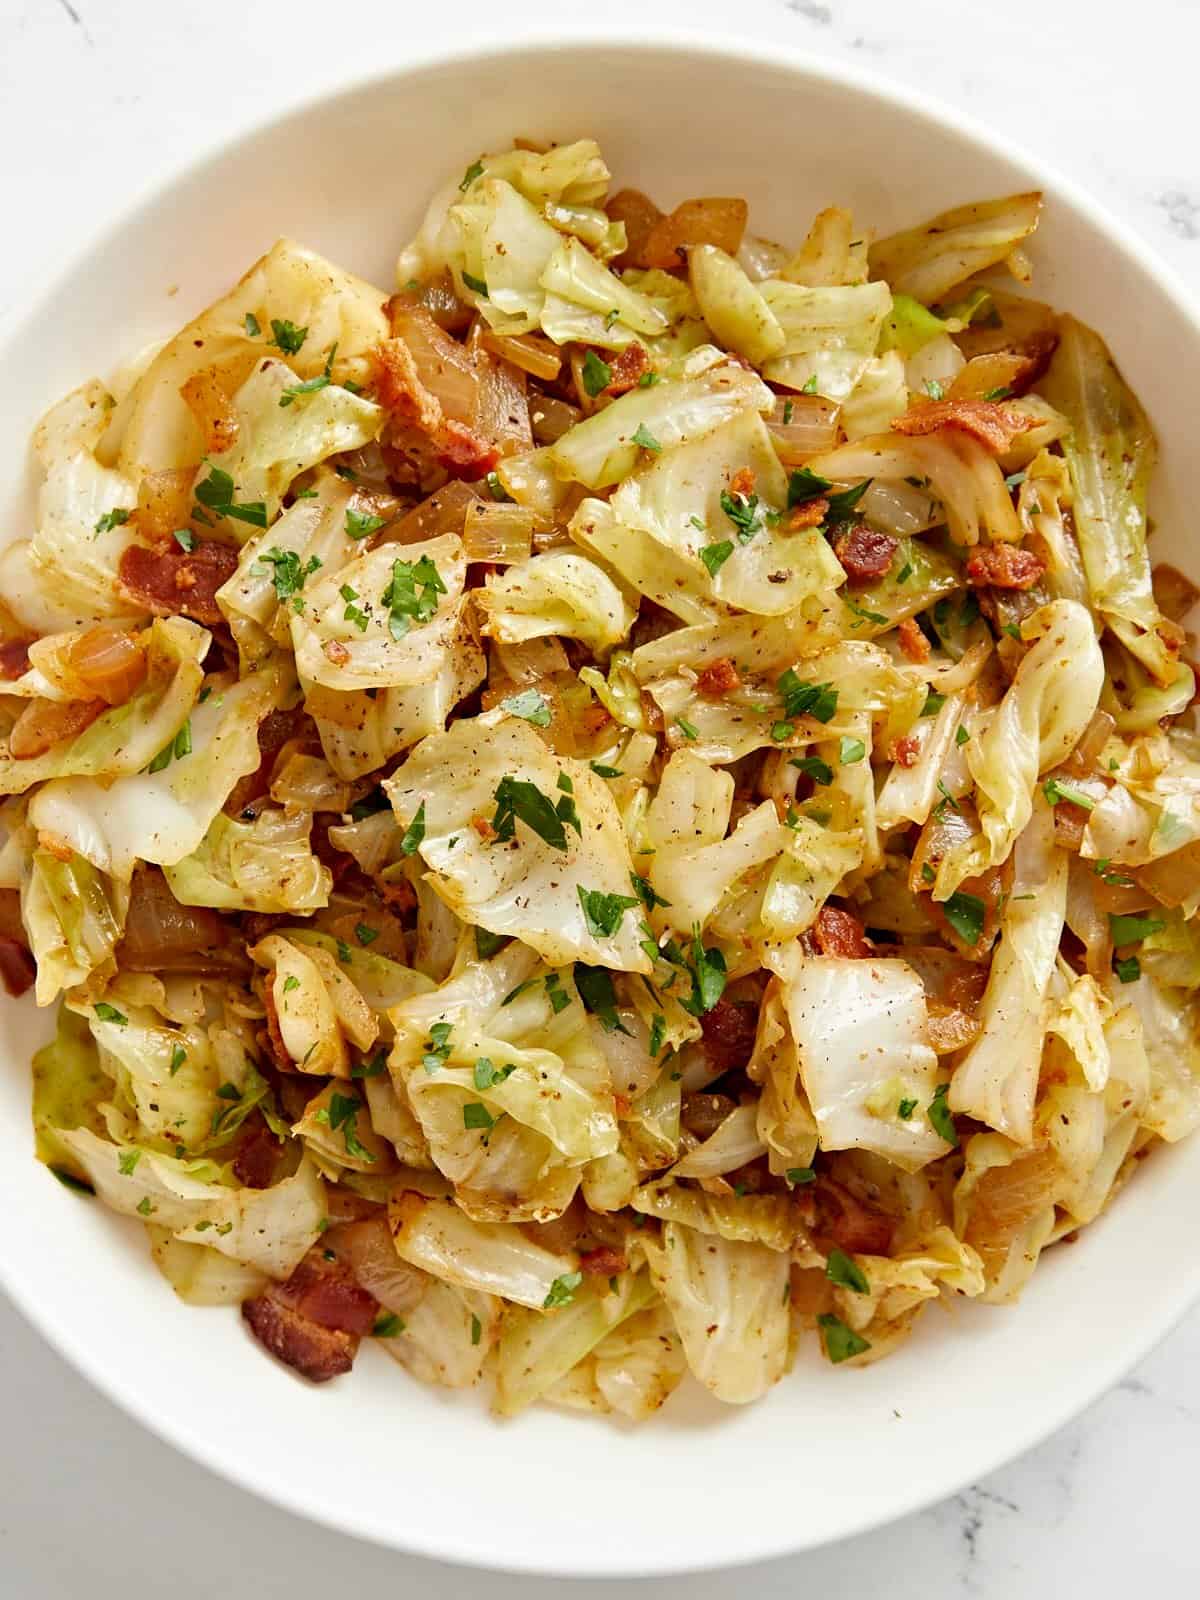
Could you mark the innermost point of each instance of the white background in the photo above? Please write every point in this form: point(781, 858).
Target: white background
point(98, 100)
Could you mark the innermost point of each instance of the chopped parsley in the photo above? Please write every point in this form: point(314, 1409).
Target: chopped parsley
point(810, 385)
point(646, 894)
point(185, 539)
point(388, 1326)
point(800, 699)
point(290, 983)
point(843, 502)
point(253, 329)
point(145, 1206)
point(475, 170)
point(602, 771)
point(530, 705)
point(486, 944)
point(562, 1290)
point(476, 1330)
point(934, 389)
point(287, 574)
point(799, 1176)
point(1055, 790)
point(476, 285)
point(840, 1341)
point(437, 1047)
point(965, 913)
point(846, 1273)
point(689, 730)
point(905, 1109)
point(1002, 393)
point(485, 1074)
point(360, 524)
point(476, 1115)
point(596, 374)
point(961, 736)
point(287, 336)
point(558, 997)
point(707, 968)
point(112, 519)
point(364, 934)
point(940, 1116)
point(714, 556)
point(412, 595)
point(343, 1115)
point(1128, 969)
point(127, 1161)
point(519, 800)
point(646, 439)
point(310, 385)
point(813, 767)
point(658, 1032)
point(742, 511)
point(216, 493)
point(602, 913)
point(595, 986)
point(108, 1013)
point(374, 1068)
point(178, 1057)
point(933, 703)
point(804, 485)
point(863, 614)
point(414, 833)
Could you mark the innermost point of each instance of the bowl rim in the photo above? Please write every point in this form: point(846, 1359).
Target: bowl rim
point(702, 41)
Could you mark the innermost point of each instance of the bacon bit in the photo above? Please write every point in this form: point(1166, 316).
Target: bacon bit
point(482, 827)
point(419, 360)
point(994, 425)
point(594, 718)
point(628, 369)
point(1004, 566)
point(17, 967)
point(170, 581)
point(865, 552)
point(273, 1038)
point(743, 482)
point(913, 642)
point(254, 1164)
point(852, 1225)
point(213, 410)
point(335, 651)
point(809, 515)
point(840, 933)
point(314, 1321)
point(728, 1034)
point(45, 723)
point(398, 897)
point(622, 1105)
point(603, 1262)
point(718, 677)
point(14, 659)
point(905, 751)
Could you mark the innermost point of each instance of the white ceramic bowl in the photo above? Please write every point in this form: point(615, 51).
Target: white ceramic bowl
point(829, 1452)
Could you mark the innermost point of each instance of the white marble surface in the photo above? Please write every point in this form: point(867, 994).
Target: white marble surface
point(98, 97)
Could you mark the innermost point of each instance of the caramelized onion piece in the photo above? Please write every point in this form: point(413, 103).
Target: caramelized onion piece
point(45, 723)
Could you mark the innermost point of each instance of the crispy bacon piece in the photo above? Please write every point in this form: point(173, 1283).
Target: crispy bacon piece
point(426, 380)
point(45, 723)
point(852, 1225)
point(314, 1321)
point(913, 642)
point(718, 677)
point(840, 933)
point(170, 581)
point(811, 514)
point(906, 750)
point(1004, 566)
point(275, 730)
point(995, 426)
point(254, 1163)
point(214, 411)
point(865, 552)
point(728, 1031)
point(595, 717)
point(628, 369)
point(742, 482)
point(14, 659)
point(603, 1262)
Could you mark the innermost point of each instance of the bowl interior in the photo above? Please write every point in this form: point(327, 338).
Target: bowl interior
point(829, 1453)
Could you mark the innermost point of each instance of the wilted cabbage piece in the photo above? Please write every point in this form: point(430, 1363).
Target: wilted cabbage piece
point(517, 840)
point(67, 573)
